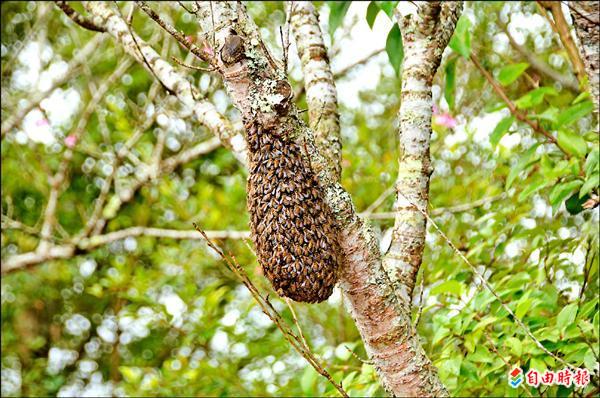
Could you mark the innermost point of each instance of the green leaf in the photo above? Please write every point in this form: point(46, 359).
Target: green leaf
point(515, 346)
point(537, 182)
point(572, 143)
point(461, 39)
point(592, 161)
point(450, 89)
point(574, 113)
point(534, 97)
point(308, 380)
point(372, 11)
point(450, 287)
point(338, 10)
point(131, 374)
point(510, 73)
point(561, 191)
point(523, 306)
point(574, 204)
point(583, 96)
point(501, 129)
point(387, 7)
point(588, 186)
point(528, 158)
point(566, 316)
point(550, 114)
point(394, 48)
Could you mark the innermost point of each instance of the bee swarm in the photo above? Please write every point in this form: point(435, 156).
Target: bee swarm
point(292, 227)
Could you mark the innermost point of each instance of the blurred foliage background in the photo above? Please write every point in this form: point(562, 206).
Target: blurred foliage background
point(147, 316)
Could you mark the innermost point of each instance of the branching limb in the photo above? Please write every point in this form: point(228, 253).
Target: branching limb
point(205, 112)
point(321, 94)
point(297, 342)
point(78, 18)
point(522, 116)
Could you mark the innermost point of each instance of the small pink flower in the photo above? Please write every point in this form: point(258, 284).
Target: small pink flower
point(190, 39)
point(446, 120)
point(436, 111)
point(70, 140)
point(42, 122)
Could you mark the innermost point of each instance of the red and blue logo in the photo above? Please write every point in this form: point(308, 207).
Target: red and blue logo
point(515, 377)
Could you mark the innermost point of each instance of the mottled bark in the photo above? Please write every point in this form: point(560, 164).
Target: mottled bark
point(425, 36)
point(586, 19)
point(321, 95)
point(384, 323)
point(105, 16)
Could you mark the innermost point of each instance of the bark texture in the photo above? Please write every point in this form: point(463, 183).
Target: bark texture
point(425, 36)
point(105, 16)
point(257, 86)
point(382, 320)
point(321, 95)
point(586, 18)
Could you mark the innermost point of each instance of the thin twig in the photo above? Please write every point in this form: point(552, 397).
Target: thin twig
point(513, 108)
point(268, 309)
point(487, 285)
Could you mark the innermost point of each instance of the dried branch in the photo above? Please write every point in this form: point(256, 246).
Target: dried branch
point(298, 343)
point(70, 250)
point(59, 182)
point(563, 30)
point(180, 37)
point(522, 116)
point(78, 18)
point(204, 111)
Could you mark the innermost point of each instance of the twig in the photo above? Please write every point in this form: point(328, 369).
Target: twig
point(537, 63)
point(180, 62)
point(175, 33)
point(440, 210)
point(487, 285)
point(137, 45)
point(268, 309)
point(355, 355)
point(563, 30)
point(513, 108)
point(78, 18)
point(289, 304)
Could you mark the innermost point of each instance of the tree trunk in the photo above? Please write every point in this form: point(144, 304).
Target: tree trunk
point(258, 87)
point(586, 19)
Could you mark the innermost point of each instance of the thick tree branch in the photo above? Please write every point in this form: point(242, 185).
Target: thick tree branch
point(321, 95)
point(425, 36)
point(586, 18)
point(205, 112)
point(381, 318)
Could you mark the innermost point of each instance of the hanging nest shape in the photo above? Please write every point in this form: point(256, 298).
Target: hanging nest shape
point(292, 227)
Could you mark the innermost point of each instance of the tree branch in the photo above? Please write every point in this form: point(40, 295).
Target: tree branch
point(205, 112)
point(538, 64)
point(321, 95)
point(78, 18)
point(586, 16)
